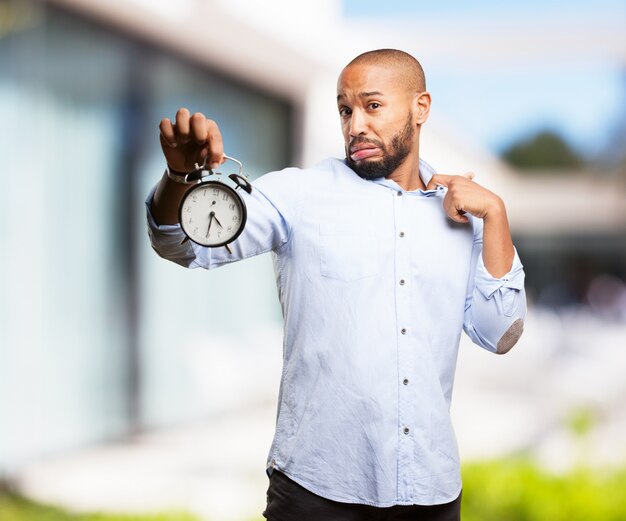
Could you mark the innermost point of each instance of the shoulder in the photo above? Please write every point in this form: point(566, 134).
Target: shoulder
point(321, 173)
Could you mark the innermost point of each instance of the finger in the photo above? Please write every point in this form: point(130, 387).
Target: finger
point(216, 145)
point(459, 217)
point(438, 180)
point(167, 132)
point(182, 125)
point(198, 128)
point(469, 175)
point(453, 209)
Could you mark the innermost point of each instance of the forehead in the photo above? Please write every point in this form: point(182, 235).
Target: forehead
point(361, 78)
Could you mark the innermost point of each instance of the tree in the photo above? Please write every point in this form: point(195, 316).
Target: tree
point(544, 150)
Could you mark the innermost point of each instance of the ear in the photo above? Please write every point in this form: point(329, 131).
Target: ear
point(421, 107)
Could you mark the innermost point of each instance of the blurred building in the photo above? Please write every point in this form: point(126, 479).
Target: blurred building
point(101, 339)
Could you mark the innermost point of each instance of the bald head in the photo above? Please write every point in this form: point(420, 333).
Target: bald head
point(407, 68)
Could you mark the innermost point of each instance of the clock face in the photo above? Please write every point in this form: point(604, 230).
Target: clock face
point(212, 214)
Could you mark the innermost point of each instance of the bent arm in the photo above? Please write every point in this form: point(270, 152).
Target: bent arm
point(495, 306)
point(498, 251)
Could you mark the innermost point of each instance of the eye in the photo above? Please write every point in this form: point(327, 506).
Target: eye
point(373, 105)
point(344, 111)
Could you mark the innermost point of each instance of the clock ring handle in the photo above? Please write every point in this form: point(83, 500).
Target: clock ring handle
point(199, 172)
point(202, 167)
point(241, 182)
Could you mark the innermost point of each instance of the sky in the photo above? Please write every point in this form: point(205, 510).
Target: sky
point(502, 105)
point(480, 7)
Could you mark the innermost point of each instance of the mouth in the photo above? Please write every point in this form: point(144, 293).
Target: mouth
point(363, 151)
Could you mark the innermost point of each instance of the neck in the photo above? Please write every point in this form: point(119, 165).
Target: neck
point(407, 174)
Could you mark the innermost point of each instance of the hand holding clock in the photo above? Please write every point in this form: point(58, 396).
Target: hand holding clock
point(190, 140)
point(186, 141)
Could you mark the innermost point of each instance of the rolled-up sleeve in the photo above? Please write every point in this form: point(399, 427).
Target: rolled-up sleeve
point(167, 239)
point(495, 308)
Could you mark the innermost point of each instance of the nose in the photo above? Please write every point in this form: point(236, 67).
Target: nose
point(357, 123)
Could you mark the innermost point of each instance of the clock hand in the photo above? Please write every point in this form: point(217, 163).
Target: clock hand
point(219, 223)
point(211, 217)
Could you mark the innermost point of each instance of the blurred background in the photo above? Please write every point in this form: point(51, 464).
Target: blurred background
point(111, 399)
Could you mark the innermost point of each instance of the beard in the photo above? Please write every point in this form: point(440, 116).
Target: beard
point(393, 157)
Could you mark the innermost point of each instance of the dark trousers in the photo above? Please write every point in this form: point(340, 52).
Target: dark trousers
point(288, 501)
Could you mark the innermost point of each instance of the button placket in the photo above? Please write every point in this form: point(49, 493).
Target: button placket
point(404, 356)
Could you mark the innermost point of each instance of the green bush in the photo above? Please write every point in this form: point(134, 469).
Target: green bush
point(502, 490)
point(518, 490)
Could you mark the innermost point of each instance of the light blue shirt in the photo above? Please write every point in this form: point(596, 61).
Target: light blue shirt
point(376, 285)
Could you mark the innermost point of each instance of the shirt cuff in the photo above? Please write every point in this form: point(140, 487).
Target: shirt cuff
point(504, 288)
point(163, 230)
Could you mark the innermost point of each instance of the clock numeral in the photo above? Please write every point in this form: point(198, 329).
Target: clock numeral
point(235, 218)
point(229, 229)
point(231, 206)
point(188, 209)
point(194, 198)
point(224, 197)
point(219, 234)
point(190, 220)
point(216, 191)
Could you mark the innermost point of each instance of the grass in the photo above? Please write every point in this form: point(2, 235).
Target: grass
point(16, 508)
point(518, 490)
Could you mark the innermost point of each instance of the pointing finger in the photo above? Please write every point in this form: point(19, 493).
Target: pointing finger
point(438, 180)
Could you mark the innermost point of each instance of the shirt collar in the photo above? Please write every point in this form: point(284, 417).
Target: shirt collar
point(426, 173)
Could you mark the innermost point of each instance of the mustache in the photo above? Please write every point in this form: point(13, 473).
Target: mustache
point(360, 140)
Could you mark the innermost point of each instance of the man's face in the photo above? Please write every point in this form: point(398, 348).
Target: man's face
point(377, 121)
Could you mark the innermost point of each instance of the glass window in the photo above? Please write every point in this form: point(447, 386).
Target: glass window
point(92, 341)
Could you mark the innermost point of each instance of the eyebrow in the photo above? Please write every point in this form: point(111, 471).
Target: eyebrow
point(364, 94)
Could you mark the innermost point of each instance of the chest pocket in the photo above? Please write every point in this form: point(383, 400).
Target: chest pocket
point(350, 254)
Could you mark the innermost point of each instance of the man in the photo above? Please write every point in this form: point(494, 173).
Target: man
point(380, 264)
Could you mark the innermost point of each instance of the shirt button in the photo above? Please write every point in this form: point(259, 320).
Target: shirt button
point(403, 331)
point(401, 282)
point(405, 381)
point(406, 430)
point(401, 234)
point(399, 194)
